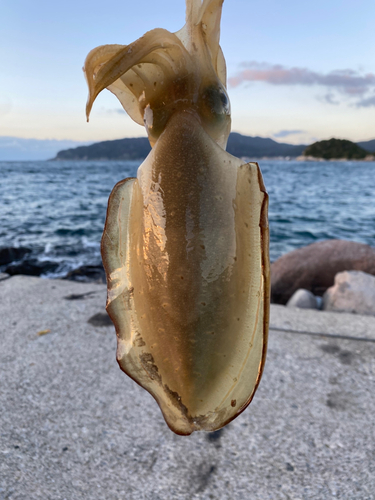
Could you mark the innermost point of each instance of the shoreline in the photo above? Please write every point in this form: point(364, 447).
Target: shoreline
point(368, 158)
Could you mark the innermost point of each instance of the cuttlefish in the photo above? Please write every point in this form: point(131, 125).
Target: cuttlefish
point(185, 244)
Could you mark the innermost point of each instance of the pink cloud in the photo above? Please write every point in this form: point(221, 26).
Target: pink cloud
point(345, 81)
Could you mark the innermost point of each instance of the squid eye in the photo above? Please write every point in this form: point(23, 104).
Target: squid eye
point(215, 101)
point(225, 101)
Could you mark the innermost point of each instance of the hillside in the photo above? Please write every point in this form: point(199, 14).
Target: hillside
point(367, 145)
point(120, 149)
point(138, 148)
point(257, 147)
point(336, 149)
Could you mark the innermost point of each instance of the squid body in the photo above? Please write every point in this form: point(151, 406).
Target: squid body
point(185, 244)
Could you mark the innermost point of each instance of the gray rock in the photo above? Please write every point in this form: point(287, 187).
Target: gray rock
point(353, 291)
point(315, 266)
point(303, 299)
point(4, 276)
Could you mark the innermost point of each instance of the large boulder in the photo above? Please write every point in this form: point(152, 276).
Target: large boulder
point(315, 266)
point(353, 292)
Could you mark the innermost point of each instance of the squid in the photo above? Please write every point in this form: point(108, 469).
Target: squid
point(186, 244)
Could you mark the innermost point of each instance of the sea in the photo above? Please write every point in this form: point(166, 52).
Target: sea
point(58, 209)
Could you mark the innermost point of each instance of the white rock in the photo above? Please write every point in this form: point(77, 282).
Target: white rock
point(303, 299)
point(353, 291)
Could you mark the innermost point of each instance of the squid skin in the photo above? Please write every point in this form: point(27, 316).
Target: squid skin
point(185, 244)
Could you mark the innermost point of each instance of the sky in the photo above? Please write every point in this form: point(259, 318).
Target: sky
point(297, 71)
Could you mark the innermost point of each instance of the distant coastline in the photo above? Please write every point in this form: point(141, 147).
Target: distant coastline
point(367, 158)
point(239, 145)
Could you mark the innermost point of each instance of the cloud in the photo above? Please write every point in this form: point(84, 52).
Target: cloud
point(285, 133)
point(366, 103)
point(347, 82)
point(330, 98)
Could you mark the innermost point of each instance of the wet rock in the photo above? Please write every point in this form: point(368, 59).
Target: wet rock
point(303, 299)
point(315, 266)
point(32, 267)
point(353, 291)
point(93, 274)
point(10, 254)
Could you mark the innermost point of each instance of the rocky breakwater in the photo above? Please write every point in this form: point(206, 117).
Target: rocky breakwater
point(87, 274)
point(315, 266)
point(20, 260)
point(10, 254)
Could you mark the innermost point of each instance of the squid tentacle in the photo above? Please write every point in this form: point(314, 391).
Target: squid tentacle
point(126, 57)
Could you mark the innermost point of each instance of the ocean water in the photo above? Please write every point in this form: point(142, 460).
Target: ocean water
point(58, 209)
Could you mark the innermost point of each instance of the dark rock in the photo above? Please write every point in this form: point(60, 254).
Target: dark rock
point(93, 274)
point(315, 266)
point(32, 267)
point(10, 254)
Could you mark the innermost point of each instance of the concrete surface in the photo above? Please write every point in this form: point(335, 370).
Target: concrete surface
point(73, 426)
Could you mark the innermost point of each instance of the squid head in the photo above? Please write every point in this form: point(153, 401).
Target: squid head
point(185, 245)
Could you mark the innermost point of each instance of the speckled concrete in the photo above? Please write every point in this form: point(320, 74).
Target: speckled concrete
point(73, 426)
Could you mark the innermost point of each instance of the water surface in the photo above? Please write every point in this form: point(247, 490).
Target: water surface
point(58, 208)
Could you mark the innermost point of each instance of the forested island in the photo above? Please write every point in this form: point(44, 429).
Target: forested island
point(336, 149)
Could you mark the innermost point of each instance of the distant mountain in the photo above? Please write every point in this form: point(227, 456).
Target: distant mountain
point(335, 149)
point(18, 149)
point(367, 145)
point(138, 148)
point(258, 147)
point(120, 149)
